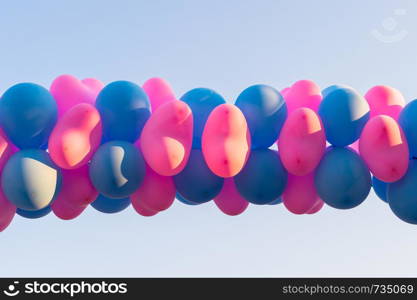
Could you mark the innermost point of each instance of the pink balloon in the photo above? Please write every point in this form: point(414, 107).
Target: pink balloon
point(76, 136)
point(7, 211)
point(385, 100)
point(7, 149)
point(69, 91)
point(355, 146)
point(141, 209)
point(300, 194)
point(159, 92)
point(302, 142)
point(303, 93)
point(77, 192)
point(285, 91)
point(316, 207)
point(229, 200)
point(167, 138)
point(226, 141)
point(384, 148)
point(157, 192)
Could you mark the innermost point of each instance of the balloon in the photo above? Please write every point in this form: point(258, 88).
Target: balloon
point(143, 210)
point(334, 87)
point(109, 205)
point(167, 137)
point(355, 146)
point(344, 113)
point(157, 192)
point(28, 113)
point(265, 111)
point(7, 211)
point(263, 179)
point(316, 207)
point(159, 92)
point(342, 179)
point(183, 200)
point(34, 214)
point(226, 141)
point(380, 188)
point(408, 122)
point(7, 149)
point(385, 100)
point(69, 91)
point(285, 91)
point(201, 101)
point(124, 109)
point(117, 169)
point(77, 191)
point(384, 148)
point(302, 142)
point(30, 179)
point(196, 183)
point(76, 137)
point(300, 194)
point(229, 201)
point(303, 93)
point(402, 196)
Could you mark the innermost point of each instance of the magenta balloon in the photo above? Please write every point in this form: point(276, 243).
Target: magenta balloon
point(226, 141)
point(384, 148)
point(69, 91)
point(302, 142)
point(355, 146)
point(76, 193)
point(159, 92)
point(156, 192)
point(300, 194)
point(229, 200)
point(7, 212)
point(76, 136)
point(143, 210)
point(303, 93)
point(167, 138)
point(316, 207)
point(385, 100)
point(7, 149)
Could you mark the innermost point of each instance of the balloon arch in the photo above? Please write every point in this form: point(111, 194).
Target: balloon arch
point(82, 143)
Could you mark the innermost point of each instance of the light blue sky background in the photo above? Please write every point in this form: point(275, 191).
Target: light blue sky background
point(227, 46)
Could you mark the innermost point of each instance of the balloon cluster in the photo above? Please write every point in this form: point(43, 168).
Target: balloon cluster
point(82, 143)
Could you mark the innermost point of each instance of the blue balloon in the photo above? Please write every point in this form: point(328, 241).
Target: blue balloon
point(201, 101)
point(196, 183)
point(275, 202)
point(110, 206)
point(408, 122)
point(185, 201)
point(124, 109)
point(342, 179)
point(265, 112)
point(380, 188)
point(263, 178)
point(28, 113)
point(34, 214)
point(332, 88)
point(344, 114)
point(30, 179)
point(117, 169)
point(402, 196)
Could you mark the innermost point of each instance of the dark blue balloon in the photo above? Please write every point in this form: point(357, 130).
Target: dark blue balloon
point(263, 178)
point(124, 109)
point(344, 114)
point(196, 182)
point(402, 195)
point(185, 201)
point(408, 122)
point(30, 179)
point(275, 202)
point(380, 188)
point(342, 179)
point(34, 214)
point(201, 101)
point(117, 169)
point(110, 206)
point(265, 112)
point(28, 113)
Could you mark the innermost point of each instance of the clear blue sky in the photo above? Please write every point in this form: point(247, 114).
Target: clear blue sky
point(227, 46)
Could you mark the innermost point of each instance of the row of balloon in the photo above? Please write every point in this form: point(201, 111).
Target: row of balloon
point(82, 143)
